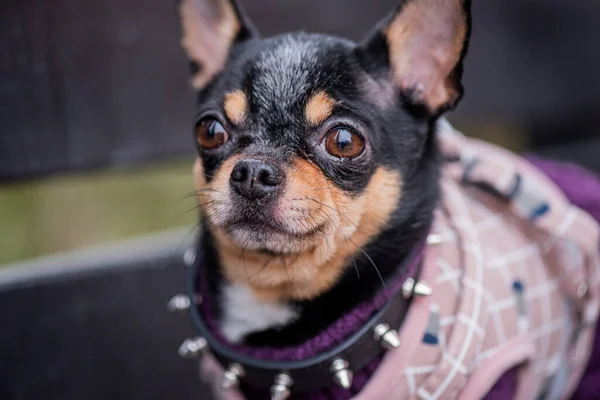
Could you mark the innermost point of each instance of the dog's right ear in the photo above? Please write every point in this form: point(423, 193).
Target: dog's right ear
point(209, 28)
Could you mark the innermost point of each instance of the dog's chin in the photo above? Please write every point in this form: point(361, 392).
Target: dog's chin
point(271, 239)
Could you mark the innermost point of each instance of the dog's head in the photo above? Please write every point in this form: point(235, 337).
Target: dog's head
point(307, 143)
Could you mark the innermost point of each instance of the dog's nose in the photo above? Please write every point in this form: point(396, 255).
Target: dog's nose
point(255, 179)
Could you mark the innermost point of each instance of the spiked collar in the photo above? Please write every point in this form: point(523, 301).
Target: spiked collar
point(344, 354)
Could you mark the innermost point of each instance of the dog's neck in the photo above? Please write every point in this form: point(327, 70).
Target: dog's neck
point(253, 319)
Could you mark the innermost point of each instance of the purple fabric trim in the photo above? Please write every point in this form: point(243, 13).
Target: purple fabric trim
point(580, 186)
point(331, 336)
point(505, 387)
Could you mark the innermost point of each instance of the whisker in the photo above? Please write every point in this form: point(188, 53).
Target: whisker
point(195, 208)
point(332, 208)
point(208, 217)
point(205, 190)
point(188, 195)
point(356, 267)
point(371, 260)
point(316, 224)
point(241, 258)
point(263, 268)
point(304, 223)
point(328, 218)
point(202, 192)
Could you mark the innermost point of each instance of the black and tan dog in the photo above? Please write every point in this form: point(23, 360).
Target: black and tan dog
point(318, 169)
point(316, 161)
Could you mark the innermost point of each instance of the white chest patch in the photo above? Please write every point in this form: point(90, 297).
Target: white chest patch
point(243, 313)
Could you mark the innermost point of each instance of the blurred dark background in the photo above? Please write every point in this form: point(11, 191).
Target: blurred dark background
point(95, 84)
point(95, 146)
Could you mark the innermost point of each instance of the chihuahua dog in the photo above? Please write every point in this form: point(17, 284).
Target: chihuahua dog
point(319, 167)
point(316, 161)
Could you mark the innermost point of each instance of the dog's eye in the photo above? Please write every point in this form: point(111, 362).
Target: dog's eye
point(344, 143)
point(211, 134)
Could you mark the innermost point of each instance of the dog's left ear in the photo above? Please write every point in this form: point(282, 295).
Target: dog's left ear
point(209, 29)
point(423, 44)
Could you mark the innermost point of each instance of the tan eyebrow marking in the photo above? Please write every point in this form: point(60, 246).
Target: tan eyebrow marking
point(319, 108)
point(235, 106)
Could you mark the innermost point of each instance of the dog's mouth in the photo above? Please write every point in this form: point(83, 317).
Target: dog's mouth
point(262, 227)
point(267, 235)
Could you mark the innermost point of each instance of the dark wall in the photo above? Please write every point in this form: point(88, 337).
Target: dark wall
point(86, 84)
point(90, 83)
point(95, 327)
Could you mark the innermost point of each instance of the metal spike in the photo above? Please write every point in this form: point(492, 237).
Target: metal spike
point(178, 303)
point(189, 256)
point(419, 288)
point(422, 289)
point(407, 287)
point(390, 340)
point(280, 390)
point(191, 348)
point(387, 336)
point(435, 238)
point(231, 377)
point(380, 330)
point(342, 376)
point(229, 381)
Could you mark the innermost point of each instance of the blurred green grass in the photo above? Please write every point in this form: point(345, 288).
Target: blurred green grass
point(78, 210)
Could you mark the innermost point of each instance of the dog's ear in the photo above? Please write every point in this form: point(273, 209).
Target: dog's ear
point(209, 28)
point(422, 44)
